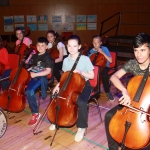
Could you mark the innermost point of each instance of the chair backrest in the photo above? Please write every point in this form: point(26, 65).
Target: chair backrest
point(113, 65)
point(95, 82)
point(114, 59)
point(14, 60)
point(66, 35)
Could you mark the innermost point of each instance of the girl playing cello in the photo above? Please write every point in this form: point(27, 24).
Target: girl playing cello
point(85, 69)
point(20, 36)
point(53, 38)
point(137, 66)
point(4, 63)
point(22, 43)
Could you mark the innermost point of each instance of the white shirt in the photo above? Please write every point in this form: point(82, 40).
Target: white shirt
point(61, 45)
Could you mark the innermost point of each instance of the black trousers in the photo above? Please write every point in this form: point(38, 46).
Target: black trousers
point(56, 72)
point(112, 144)
point(83, 107)
point(105, 79)
point(57, 67)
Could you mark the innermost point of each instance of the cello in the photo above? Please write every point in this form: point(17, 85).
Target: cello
point(13, 99)
point(52, 49)
point(85, 49)
point(130, 126)
point(98, 59)
point(63, 110)
point(71, 85)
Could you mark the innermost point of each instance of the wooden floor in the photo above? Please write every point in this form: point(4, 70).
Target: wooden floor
point(19, 136)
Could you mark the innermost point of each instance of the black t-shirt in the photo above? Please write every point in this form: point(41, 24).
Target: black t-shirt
point(41, 62)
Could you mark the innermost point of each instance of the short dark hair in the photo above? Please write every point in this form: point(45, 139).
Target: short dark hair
point(96, 37)
point(42, 40)
point(140, 39)
point(75, 37)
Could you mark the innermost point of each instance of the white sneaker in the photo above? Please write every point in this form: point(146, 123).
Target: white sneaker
point(80, 134)
point(52, 127)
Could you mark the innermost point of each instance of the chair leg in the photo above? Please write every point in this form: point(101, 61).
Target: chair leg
point(98, 108)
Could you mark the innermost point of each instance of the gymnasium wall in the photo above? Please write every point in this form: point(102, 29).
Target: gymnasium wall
point(135, 15)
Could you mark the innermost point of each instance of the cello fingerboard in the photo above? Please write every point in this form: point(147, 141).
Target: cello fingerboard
point(141, 86)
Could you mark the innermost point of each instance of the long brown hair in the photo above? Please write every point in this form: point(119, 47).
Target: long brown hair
point(56, 35)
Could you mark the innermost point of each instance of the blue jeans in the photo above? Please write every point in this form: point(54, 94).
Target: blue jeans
point(30, 92)
point(6, 83)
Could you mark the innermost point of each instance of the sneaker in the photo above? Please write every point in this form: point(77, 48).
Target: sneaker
point(52, 127)
point(34, 119)
point(80, 134)
point(110, 96)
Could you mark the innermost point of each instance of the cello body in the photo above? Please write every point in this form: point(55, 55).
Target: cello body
point(98, 59)
point(15, 91)
point(54, 53)
point(138, 134)
point(66, 101)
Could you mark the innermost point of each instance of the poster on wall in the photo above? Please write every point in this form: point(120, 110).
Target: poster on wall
point(57, 26)
point(91, 18)
point(31, 18)
point(8, 28)
point(68, 26)
point(81, 26)
point(8, 20)
point(91, 26)
point(42, 27)
point(81, 18)
point(19, 19)
point(20, 26)
point(69, 18)
point(33, 27)
point(57, 18)
point(42, 19)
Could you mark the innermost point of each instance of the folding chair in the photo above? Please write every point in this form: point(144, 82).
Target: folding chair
point(65, 35)
point(96, 89)
point(113, 65)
